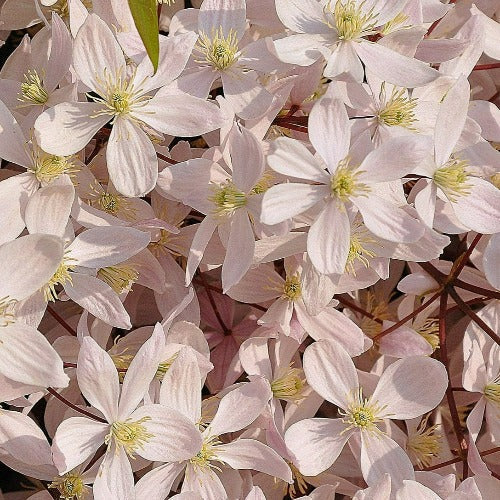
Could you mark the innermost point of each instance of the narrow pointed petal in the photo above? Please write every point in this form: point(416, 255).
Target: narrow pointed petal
point(157, 483)
point(200, 241)
point(12, 140)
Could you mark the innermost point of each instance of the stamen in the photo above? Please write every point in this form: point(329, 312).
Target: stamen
point(424, 445)
point(264, 183)
point(349, 19)
point(398, 110)
point(492, 391)
point(7, 317)
point(219, 51)
point(120, 277)
point(208, 453)
point(379, 309)
point(164, 366)
point(452, 179)
point(131, 435)
point(398, 22)
point(227, 198)
point(46, 168)
point(292, 289)
point(290, 385)
point(71, 486)
point(32, 89)
point(360, 236)
point(430, 332)
point(111, 203)
point(344, 182)
point(362, 413)
point(60, 277)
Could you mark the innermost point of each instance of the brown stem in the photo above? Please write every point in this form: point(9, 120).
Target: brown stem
point(61, 321)
point(211, 299)
point(443, 354)
point(74, 365)
point(401, 322)
point(477, 300)
point(462, 260)
point(75, 407)
point(355, 307)
point(482, 67)
point(458, 459)
point(473, 316)
point(167, 159)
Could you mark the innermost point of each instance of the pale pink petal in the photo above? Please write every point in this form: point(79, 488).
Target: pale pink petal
point(225, 14)
point(412, 490)
point(60, 53)
point(31, 358)
point(404, 393)
point(252, 454)
point(98, 299)
point(329, 238)
point(393, 67)
point(180, 115)
point(114, 478)
point(302, 49)
point(48, 210)
point(344, 61)
point(330, 372)
point(106, 246)
point(284, 201)
point(174, 436)
point(200, 241)
point(380, 455)
point(157, 483)
point(255, 285)
point(131, 157)
point(12, 140)
point(40, 253)
point(68, 127)
point(475, 419)
point(254, 357)
point(425, 201)
point(291, 158)
point(96, 53)
point(330, 131)
point(451, 120)
point(181, 386)
point(404, 342)
point(316, 443)
point(491, 260)
point(240, 407)
point(302, 16)
point(240, 249)
point(98, 378)
point(76, 439)
point(204, 482)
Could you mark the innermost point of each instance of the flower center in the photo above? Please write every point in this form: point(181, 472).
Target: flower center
point(344, 182)
point(349, 19)
point(60, 277)
point(452, 178)
point(399, 110)
point(265, 182)
point(208, 453)
point(430, 332)
point(492, 391)
point(164, 366)
point(130, 435)
point(120, 277)
point(32, 90)
point(292, 290)
point(227, 198)
point(7, 317)
point(47, 168)
point(379, 309)
point(70, 486)
point(218, 50)
point(424, 445)
point(290, 385)
point(360, 237)
point(361, 413)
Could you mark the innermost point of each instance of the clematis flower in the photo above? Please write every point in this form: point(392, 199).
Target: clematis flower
point(336, 30)
point(401, 393)
point(152, 431)
point(125, 99)
point(349, 183)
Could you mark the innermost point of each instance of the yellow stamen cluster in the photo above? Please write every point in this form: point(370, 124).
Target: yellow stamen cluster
point(120, 277)
point(164, 366)
point(397, 22)
point(131, 435)
point(289, 386)
point(292, 289)
point(218, 50)
point(380, 309)
point(299, 485)
point(495, 180)
point(344, 182)
point(208, 453)
point(264, 183)
point(7, 317)
point(111, 203)
point(60, 277)
point(430, 332)
point(349, 19)
point(424, 445)
point(71, 487)
point(452, 178)
point(47, 168)
point(227, 198)
point(492, 391)
point(33, 91)
point(361, 413)
point(398, 110)
point(360, 237)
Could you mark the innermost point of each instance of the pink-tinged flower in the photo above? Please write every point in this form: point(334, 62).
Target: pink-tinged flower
point(348, 184)
point(229, 197)
point(28, 356)
point(222, 53)
point(401, 393)
point(336, 30)
point(152, 431)
point(450, 176)
point(128, 100)
point(181, 389)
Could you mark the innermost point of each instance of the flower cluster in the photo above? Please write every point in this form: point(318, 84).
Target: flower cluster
point(268, 268)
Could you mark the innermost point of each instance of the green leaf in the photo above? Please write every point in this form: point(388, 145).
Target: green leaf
point(145, 16)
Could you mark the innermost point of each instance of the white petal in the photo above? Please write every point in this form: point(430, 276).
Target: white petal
point(330, 371)
point(451, 120)
point(200, 241)
point(131, 157)
point(254, 357)
point(393, 67)
point(491, 260)
point(106, 246)
point(40, 253)
point(31, 358)
point(98, 299)
point(412, 490)
point(303, 50)
point(157, 483)
point(316, 443)
point(329, 238)
point(284, 201)
point(204, 483)
point(425, 202)
point(404, 393)
point(302, 16)
point(114, 478)
point(229, 14)
point(12, 140)
point(98, 378)
point(68, 127)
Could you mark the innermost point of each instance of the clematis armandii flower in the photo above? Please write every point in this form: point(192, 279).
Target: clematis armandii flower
point(336, 30)
point(349, 183)
point(127, 100)
point(401, 393)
